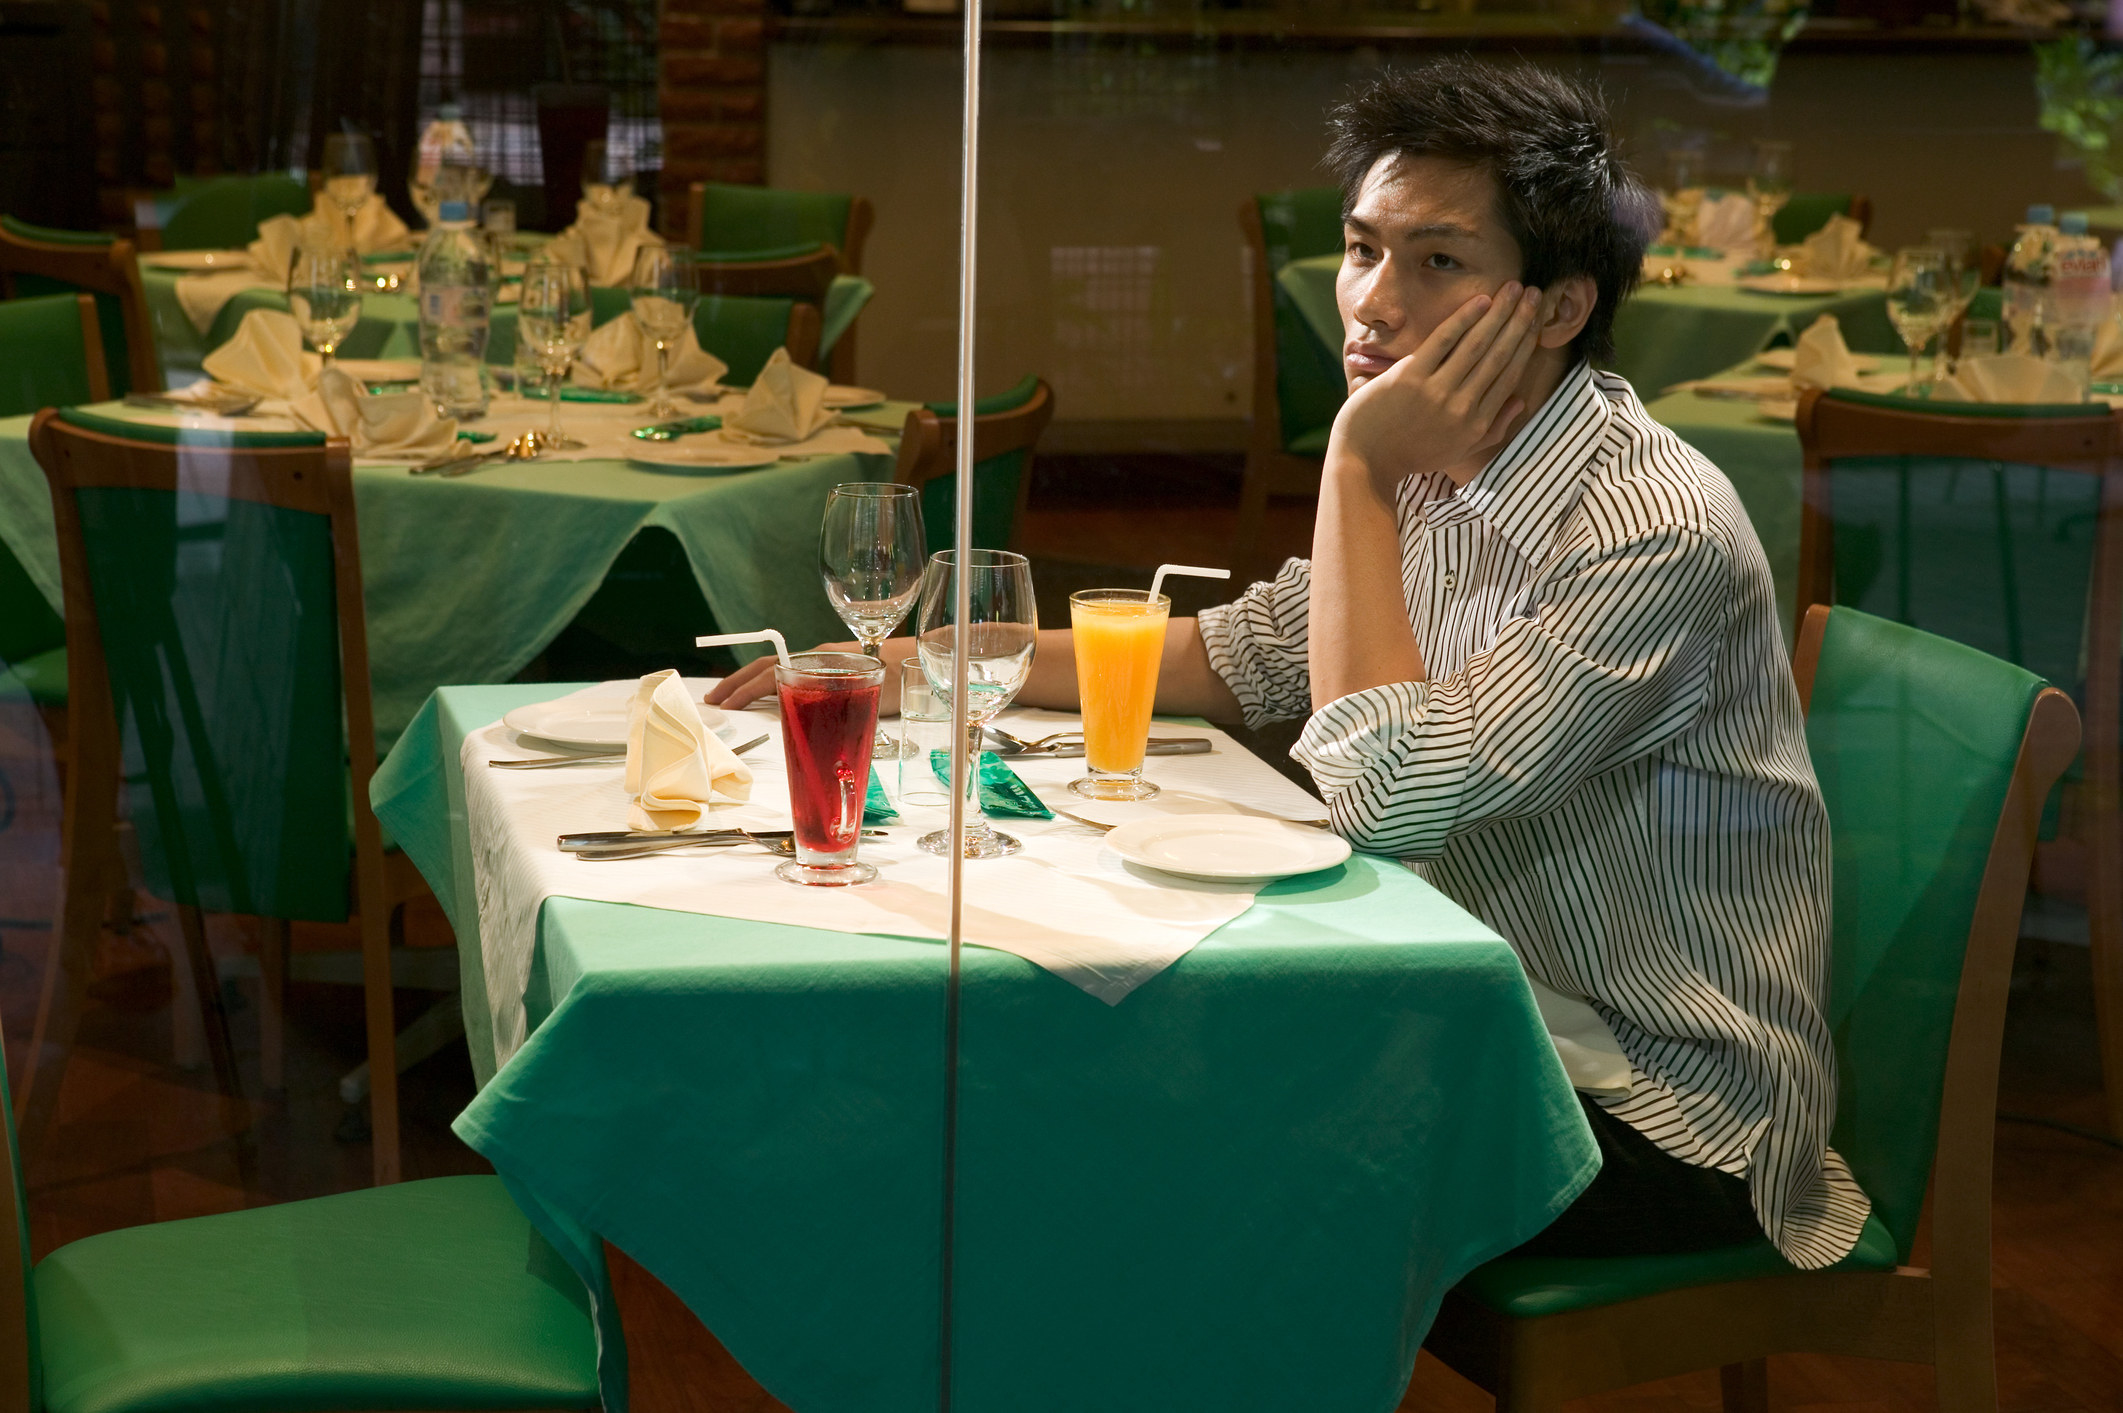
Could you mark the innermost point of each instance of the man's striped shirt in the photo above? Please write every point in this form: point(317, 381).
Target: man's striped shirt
point(1608, 766)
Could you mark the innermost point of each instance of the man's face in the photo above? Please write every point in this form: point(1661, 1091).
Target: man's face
point(1423, 238)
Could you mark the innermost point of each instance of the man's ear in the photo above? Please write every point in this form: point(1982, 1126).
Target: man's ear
point(1565, 306)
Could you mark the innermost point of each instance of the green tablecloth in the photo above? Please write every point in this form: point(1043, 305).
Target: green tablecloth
point(390, 323)
point(468, 579)
point(1663, 335)
point(1245, 1187)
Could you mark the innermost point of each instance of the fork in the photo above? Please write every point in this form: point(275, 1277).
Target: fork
point(1016, 744)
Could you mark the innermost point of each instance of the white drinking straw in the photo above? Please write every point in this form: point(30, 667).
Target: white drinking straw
point(1190, 570)
point(764, 635)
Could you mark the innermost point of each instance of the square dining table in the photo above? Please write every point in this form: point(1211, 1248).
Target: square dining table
point(1246, 1186)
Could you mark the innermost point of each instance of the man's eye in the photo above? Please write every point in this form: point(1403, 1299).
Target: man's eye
point(1442, 261)
point(1356, 250)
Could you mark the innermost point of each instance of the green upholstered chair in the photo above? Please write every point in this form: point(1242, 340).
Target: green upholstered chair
point(726, 217)
point(421, 1295)
point(219, 703)
point(1999, 526)
point(1934, 760)
point(1298, 386)
point(37, 260)
point(222, 213)
point(1007, 428)
point(742, 331)
point(1807, 212)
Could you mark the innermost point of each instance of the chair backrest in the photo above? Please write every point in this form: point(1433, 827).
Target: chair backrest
point(1006, 428)
point(803, 272)
point(1807, 211)
point(1297, 385)
point(1934, 760)
point(51, 353)
point(35, 260)
point(723, 216)
point(217, 656)
point(223, 213)
point(742, 330)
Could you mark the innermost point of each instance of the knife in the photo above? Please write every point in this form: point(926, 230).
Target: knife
point(575, 843)
point(1159, 746)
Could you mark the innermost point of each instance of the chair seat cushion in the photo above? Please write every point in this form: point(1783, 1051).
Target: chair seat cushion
point(42, 676)
point(422, 1295)
point(1528, 1287)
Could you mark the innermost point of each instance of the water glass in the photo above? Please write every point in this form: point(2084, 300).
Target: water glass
point(552, 320)
point(1120, 642)
point(828, 717)
point(1921, 303)
point(924, 726)
point(1771, 185)
point(324, 295)
point(349, 169)
point(665, 288)
point(998, 635)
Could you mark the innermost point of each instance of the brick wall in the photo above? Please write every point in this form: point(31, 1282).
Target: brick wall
point(713, 97)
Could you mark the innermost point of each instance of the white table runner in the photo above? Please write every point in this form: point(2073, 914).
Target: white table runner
point(1066, 903)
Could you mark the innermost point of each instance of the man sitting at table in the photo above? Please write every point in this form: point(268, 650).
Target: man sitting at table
point(1538, 646)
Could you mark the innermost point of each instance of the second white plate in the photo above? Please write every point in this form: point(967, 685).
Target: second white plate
point(197, 261)
point(1233, 848)
point(588, 723)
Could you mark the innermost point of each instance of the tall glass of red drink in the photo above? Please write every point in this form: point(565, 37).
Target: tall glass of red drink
point(828, 720)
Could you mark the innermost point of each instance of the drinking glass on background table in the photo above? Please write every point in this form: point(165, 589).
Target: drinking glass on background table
point(870, 549)
point(1120, 640)
point(1979, 338)
point(1001, 629)
point(828, 716)
point(349, 169)
point(924, 726)
point(665, 288)
point(1920, 304)
point(1771, 185)
point(552, 320)
point(324, 295)
point(1964, 275)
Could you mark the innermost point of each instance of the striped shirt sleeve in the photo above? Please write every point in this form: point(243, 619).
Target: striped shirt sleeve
point(1614, 660)
point(1256, 643)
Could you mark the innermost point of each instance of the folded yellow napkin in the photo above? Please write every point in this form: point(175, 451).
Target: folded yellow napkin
point(675, 764)
point(1680, 209)
point(377, 227)
point(2108, 352)
point(619, 354)
point(382, 427)
point(786, 404)
point(1726, 223)
point(604, 240)
point(1836, 251)
point(265, 358)
point(1822, 359)
point(278, 239)
point(2008, 377)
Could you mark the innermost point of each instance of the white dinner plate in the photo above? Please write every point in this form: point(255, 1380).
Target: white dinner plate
point(1235, 848)
point(710, 460)
point(197, 260)
point(841, 396)
point(590, 723)
point(1784, 359)
point(1791, 284)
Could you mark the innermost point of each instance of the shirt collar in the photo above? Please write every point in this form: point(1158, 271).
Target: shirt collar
point(1526, 488)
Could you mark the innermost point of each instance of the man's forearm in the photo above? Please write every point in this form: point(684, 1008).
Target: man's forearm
point(1359, 634)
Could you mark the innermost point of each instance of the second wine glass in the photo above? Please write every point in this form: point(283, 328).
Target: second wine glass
point(870, 548)
point(1920, 304)
point(665, 289)
point(324, 295)
point(999, 633)
point(349, 170)
point(553, 319)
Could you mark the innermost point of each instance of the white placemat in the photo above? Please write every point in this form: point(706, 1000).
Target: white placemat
point(1066, 903)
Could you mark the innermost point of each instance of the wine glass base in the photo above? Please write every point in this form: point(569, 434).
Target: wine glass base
point(561, 443)
point(890, 748)
point(824, 875)
point(990, 846)
point(1113, 787)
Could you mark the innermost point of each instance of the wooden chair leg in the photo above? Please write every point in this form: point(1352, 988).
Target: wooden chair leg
point(1745, 1386)
point(68, 968)
point(383, 1034)
point(272, 1003)
point(220, 1049)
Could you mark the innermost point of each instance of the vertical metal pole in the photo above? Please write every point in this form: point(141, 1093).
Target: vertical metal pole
point(961, 748)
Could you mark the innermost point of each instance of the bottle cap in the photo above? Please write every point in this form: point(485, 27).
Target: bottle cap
point(450, 112)
point(453, 211)
point(2041, 214)
point(2073, 223)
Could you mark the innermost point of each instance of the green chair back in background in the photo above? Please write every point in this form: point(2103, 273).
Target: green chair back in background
point(725, 217)
point(1009, 426)
point(39, 260)
point(742, 331)
point(222, 213)
point(1806, 212)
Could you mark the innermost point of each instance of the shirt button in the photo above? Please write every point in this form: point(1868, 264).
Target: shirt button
point(1452, 578)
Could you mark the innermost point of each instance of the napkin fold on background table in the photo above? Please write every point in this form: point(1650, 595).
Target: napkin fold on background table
point(265, 358)
point(1821, 359)
point(2007, 377)
point(786, 404)
point(382, 426)
point(605, 238)
point(675, 765)
point(619, 355)
point(1726, 222)
point(1837, 251)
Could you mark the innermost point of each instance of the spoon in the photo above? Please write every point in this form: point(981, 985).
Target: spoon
point(526, 447)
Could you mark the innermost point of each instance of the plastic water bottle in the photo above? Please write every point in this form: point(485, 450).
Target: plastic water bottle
point(455, 298)
point(445, 146)
point(2078, 298)
point(2027, 272)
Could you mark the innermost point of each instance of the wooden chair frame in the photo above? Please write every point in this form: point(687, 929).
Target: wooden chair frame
point(99, 378)
point(1271, 470)
point(928, 445)
point(804, 277)
point(112, 269)
point(314, 479)
point(1940, 1315)
point(2088, 856)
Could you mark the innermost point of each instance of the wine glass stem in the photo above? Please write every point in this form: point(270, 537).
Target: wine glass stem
point(663, 381)
point(977, 826)
point(552, 404)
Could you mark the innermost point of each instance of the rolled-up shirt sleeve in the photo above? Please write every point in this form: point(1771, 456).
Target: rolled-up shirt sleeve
point(1256, 644)
point(1614, 660)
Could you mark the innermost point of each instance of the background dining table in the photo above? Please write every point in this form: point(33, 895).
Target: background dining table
point(1245, 1186)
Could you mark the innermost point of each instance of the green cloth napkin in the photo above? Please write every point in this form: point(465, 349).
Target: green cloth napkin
point(572, 393)
point(1002, 794)
point(876, 805)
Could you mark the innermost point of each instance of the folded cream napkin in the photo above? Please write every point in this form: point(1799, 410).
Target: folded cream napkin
point(786, 404)
point(604, 240)
point(675, 764)
point(619, 354)
point(1836, 251)
point(278, 239)
point(1679, 209)
point(383, 427)
point(1591, 1056)
point(1726, 223)
point(1822, 359)
point(2108, 351)
point(265, 358)
point(2008, 377)
point(377, 227)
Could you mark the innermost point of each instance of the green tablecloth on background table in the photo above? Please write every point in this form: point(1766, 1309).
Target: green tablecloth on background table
point(390, 323)
point(1662, 334)
point(1245, 1187)
point(1761, 458)
point(469, 578)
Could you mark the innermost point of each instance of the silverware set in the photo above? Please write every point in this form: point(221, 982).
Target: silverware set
point(524, 448)
point(1069, 745)
point(594, 758)
point(606, 845)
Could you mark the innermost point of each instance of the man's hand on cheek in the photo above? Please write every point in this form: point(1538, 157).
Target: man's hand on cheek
point(1446, 402)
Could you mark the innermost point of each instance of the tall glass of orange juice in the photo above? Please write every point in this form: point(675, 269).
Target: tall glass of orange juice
point(1120, 639)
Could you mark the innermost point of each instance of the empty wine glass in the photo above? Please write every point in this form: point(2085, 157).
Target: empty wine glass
point(665, 289)
point(606, 181)
point(552, 320)
point(349, 174)
point(870, 550)
point(324, 295)
point(1920, 304)
point(1000, 630)
point(1964, 276)
point(1771, 185)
